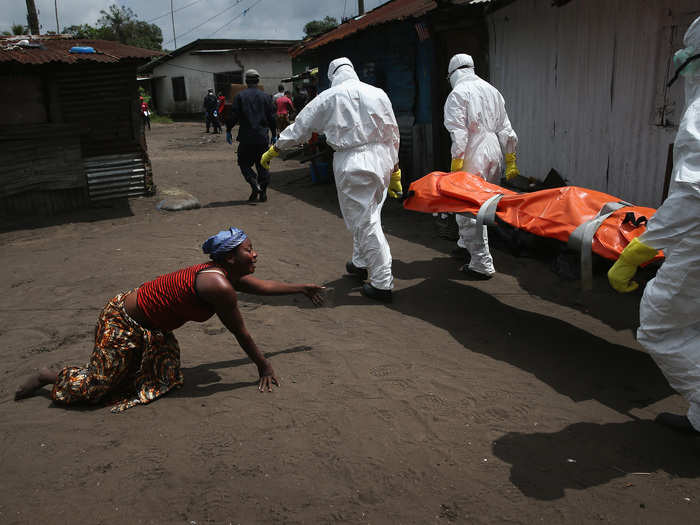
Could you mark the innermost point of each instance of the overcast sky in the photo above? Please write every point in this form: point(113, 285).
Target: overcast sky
point(271, 19)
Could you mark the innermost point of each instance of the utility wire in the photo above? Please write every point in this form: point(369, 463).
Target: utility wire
point(236, 17)
point(207, 20)
point(203, 71)
point(173, 11)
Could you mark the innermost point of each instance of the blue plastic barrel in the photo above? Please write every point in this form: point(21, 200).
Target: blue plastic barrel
point(82, 49)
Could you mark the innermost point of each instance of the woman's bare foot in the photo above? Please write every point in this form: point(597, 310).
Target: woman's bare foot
point(45, 376)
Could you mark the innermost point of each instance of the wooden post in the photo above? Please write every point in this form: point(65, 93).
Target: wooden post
point(172, 19)
point(32, 18)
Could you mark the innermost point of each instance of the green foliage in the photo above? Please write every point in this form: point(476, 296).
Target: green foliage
point(120, 24)
point(16, 29)
point(316, 27)
point(87, 31)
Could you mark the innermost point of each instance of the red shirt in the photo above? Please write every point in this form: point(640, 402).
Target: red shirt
point(284, 105)
point(222, 101)
point(169, 301)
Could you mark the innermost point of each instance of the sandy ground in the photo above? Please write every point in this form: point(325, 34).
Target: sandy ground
point(517, 400)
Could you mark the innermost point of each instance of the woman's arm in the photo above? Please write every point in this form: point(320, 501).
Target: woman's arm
point(217, 291)
point(250, 284)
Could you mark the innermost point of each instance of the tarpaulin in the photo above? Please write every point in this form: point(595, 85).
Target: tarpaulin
point(553, 213)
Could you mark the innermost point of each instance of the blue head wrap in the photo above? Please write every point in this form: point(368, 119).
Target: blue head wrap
point(223, 242)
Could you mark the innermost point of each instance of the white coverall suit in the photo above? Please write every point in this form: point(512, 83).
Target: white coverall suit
point(359, 124)
point(476, 118)
point(670, 309)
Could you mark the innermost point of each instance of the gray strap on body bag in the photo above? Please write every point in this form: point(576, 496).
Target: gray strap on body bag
point(581, 239)
point(487, 213)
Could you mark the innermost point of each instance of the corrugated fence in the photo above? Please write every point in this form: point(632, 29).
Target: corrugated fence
point(586, 95)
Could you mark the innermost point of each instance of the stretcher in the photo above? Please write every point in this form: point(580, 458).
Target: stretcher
point(588, 221)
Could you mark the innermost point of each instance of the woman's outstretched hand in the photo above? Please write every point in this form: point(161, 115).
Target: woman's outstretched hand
point(267, 377)
point(315, 293)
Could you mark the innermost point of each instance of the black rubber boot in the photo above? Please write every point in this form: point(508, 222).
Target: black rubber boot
point(474, 275)
point(676, 422)
point(354, 270)
point(263, 194)
point(370, 291)
point(253, 196)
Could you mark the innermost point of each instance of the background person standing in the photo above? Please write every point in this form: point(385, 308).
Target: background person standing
point(280, 92)
point(145, 113)
point(209, 104)
point(284, 108)
point(253, 110)
point(221, 102)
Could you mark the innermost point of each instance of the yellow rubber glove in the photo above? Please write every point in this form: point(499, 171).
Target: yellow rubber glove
point(268, 156)
point(621, 273)
point(456, 164)
point(511, 168)
point(395, 189)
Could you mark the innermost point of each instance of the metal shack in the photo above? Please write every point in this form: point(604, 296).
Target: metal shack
point(70, 129)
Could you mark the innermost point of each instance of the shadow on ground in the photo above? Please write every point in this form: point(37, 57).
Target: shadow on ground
point(584, 455)
point(203, 380)
point(572, 361)
point(225, 204)
point(109, 211)
point(620, 311)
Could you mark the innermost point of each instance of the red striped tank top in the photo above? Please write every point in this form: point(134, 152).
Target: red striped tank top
point(169, 301)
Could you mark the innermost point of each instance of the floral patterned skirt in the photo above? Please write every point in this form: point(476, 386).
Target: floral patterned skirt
point(130, 365)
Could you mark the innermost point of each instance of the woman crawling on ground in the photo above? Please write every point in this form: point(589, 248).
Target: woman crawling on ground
point(136, 357)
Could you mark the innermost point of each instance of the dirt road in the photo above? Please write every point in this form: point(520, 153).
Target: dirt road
point(514, 400)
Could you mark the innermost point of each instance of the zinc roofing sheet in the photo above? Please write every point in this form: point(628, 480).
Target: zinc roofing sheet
point(57, 49)
point(395, 10)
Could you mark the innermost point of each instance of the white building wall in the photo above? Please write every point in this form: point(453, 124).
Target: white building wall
point(198, 71)
point(584, 86)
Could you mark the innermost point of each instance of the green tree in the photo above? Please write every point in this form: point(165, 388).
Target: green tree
point(316, 27)
point(19, 29)
point(123, 25)
point(86, 31)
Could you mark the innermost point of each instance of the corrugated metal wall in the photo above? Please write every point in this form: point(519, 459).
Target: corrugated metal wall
point(584, 89)
point(41, 169)
point(100, 99)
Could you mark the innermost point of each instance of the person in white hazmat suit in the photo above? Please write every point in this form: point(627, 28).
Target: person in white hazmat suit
point(669, 312)
point(359, 124)
point(476, 118)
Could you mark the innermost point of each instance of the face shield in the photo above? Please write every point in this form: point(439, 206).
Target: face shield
point(449, 75)
point(686, 62)
point(336, 64)
point(457, 62)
